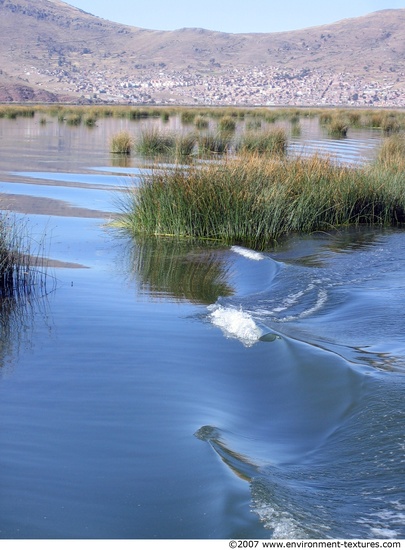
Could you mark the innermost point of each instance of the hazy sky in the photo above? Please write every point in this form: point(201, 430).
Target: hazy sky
point(231, 15)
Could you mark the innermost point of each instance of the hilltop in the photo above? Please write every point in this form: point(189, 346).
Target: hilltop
point(61, 53)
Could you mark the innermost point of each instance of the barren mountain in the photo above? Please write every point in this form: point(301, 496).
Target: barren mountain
point(51, 51)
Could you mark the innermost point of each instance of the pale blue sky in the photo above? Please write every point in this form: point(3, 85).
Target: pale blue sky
point(231, 15)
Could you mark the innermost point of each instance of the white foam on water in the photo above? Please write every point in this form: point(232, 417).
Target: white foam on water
point(382, 533)
point(294, 299)
point(322, 298)
point(235, 323)
point(386, 522)
point(283, 525)
point(247, 253)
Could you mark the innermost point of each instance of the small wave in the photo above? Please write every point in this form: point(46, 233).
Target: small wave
point(274, 517)
point(299, 305)
point(247, 253)
point(235, 323)
point(322, 298)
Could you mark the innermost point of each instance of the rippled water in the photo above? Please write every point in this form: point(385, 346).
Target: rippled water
point(170, 390)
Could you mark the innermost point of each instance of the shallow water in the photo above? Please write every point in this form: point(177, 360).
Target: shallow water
point(168, 390)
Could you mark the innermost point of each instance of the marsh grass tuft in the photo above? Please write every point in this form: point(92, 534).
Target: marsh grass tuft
point(201, 122)
point(184, 145)
point(153, 142)
point(214, 143)
point(121, 143)
point(227, 123)
point(272, 142)
point(255, 199)
point(391, 155)
point(21, 270)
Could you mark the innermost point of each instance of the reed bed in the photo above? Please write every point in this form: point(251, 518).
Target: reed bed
point(391, 156)
point(337, 127)
point(201, 122)
point(153, 142)
point(227, 124)
point(254, 199)
point(214, 143)
point(21, 270)
point(270, 142)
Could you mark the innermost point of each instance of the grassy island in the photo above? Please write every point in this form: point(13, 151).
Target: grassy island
point(253, 199)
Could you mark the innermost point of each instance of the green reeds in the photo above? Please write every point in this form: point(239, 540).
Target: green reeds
point(227, 123)
point(272, 142)
point(338, 127)
point(153, 142)
point(391, 155)
point(188, 116)
point(184, 145)
point(201, 122)
point(210, 143)
point(20, 269)
point(255, 199)
point(335, 122)
point(121, 143)
point(74, 119)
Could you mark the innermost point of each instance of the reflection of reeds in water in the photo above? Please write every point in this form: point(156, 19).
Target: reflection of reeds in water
point(23, 286)
point(185, 270)
point(18, 316)
point(120, 160)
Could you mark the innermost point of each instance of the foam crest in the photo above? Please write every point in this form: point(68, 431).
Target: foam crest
point(247, 253)
point(235, 323)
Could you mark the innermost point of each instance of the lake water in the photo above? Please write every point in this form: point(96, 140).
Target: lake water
point(176, 391)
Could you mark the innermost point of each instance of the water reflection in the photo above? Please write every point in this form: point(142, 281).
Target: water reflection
point(120, 160)
point(18, 316)
point(184, 270)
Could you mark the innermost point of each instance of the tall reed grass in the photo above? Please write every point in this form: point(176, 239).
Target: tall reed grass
point(227, 123)
point(22, 269)
point(272, 142)
point(153, 142)
point(255, 199)
point(214, 143)
point(121, 143)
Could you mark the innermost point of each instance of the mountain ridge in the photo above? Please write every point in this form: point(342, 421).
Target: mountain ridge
point(75, 56)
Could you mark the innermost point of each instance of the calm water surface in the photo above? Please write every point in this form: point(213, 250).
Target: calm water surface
point(168, 390)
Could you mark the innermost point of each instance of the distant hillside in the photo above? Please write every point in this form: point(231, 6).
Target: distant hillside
point(61, 53)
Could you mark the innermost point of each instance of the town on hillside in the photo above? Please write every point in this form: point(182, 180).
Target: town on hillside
point(233, 86)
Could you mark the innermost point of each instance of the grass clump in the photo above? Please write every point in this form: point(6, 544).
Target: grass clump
point(74, 119)
point(214, 143)
point(188, 116)
point(20, 269)
point(201, 122)
point(272, 142)
point(121, 143)
point(227, 123)
point(184, 145)
point(337, 127)
point(153, 142)
point(391, 156)
point(254, 199)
